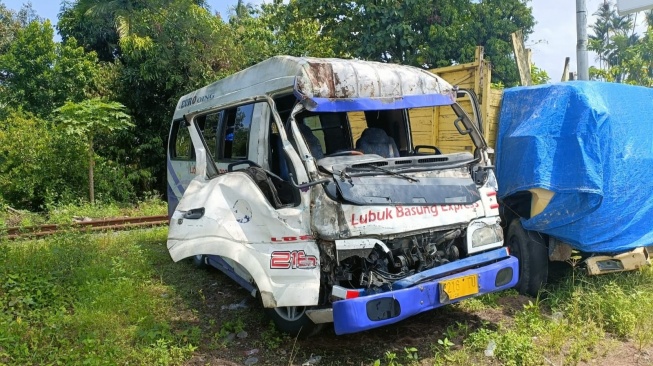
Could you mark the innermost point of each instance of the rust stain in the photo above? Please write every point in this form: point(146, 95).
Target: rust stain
point(322, 74)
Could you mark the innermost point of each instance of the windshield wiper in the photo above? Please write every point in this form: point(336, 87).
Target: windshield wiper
point(391, 172)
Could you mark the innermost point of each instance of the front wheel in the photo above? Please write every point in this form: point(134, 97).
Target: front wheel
point(530, 249)
point(294, 321)
point(199, 261)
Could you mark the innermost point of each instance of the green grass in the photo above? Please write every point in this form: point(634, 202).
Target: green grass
point(578, 320)
point(117, 298)
point(90, 299)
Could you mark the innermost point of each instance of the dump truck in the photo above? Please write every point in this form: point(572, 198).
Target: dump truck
point(573, 162)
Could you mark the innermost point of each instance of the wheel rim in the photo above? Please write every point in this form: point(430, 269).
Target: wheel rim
point(290, 313)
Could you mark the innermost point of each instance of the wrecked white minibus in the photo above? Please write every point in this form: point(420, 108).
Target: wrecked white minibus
point(298, 178)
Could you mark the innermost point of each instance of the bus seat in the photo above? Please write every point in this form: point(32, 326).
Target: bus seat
point(279, 157)
point(376, 141)
point(312, 141)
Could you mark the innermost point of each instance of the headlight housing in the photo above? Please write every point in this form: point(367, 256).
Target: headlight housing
point(484, 234)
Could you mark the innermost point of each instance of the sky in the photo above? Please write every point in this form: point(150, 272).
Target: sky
point(553, 39)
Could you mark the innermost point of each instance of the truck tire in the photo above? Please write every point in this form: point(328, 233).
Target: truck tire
point(293, 321)
point(530, 249)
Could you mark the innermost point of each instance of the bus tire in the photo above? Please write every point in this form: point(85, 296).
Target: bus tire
point(199, 261)
point(293, 321)
point(530, 249)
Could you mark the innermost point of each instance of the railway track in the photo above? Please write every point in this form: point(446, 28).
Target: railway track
point(124, 223)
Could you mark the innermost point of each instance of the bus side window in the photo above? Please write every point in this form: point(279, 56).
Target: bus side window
point(181, 146)
point(209, 126)
point(235, 134)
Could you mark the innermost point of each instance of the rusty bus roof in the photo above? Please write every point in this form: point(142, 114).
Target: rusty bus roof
point(319, 79)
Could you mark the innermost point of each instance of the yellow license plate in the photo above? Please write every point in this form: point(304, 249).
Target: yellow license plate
point(458, 287)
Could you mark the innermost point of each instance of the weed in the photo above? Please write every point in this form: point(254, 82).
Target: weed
point(643, 334)
point(391, 359)
point(229, 327)
point(88, 299)
point(443, 349)
point(530, 319)
point(411, 355)
point(271, 339)
point(293, 352)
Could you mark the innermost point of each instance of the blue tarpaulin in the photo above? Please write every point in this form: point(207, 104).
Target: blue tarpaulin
point(591, 143)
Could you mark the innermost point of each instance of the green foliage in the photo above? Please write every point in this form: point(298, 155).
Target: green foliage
point(28, 66)
point(169, 52)
point(65, 213)
point(42, 166)
point(623, 56)
point(271, 339)
point(75, 72)
point(89, 118)
point(391, 358)
point(39, 164)
point(95, 32)
point(12, 22)
point(40, 75)
point(513, 347)
point(539, 76)
point(88, 300)
point(279, 29)
point(424, 34)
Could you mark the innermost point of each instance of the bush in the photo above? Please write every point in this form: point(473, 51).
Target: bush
point(40, 166)
point(36, 163)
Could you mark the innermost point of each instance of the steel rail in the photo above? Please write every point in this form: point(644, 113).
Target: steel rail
point(112, 224)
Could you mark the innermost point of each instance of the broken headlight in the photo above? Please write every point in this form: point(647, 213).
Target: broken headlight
point(484, 234)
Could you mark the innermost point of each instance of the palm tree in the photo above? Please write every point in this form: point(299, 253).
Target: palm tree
point(600, 40)
point(122, 11)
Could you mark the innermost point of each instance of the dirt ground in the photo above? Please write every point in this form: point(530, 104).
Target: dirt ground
point(207, 304)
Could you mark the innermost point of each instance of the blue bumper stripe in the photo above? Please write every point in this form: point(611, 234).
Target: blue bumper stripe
point(351, 316)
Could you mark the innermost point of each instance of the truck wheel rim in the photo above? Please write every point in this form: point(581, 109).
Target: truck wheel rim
point(290, 313)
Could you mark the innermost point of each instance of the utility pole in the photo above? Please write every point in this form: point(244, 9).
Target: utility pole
point(582, 64)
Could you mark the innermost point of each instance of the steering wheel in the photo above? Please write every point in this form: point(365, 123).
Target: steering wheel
point(230, 167)
point(346, 153)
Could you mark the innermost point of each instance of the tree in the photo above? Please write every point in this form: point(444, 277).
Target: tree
point(278, 29)
point(27, 67)
point(294, 34)
point(11, 22)
point(623, 55)
point(39, 165)
point(539, 76)
point(94, 31)
point(493, 22)
point(613, 37)
point(40, 75)
point(172, 47)
point(171, 51)
point(88, 119)
point(424, 33)
point(98, 25)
